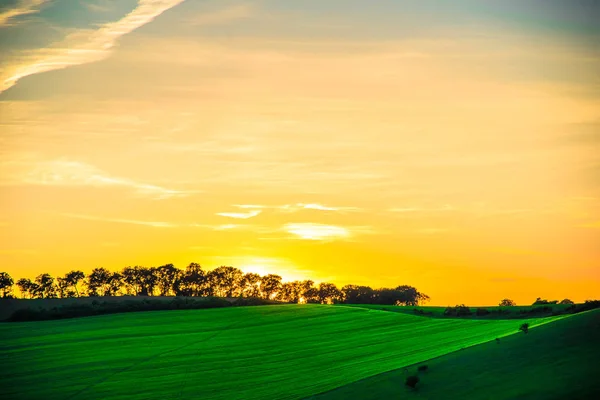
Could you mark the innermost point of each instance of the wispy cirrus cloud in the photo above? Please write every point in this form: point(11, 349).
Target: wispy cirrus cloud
point(23, 7)
point(81, 46)
point(245, 215)
point(311, 231)
point(73, 173)
point(296, 207)
point(250, 206)
point(155, 224)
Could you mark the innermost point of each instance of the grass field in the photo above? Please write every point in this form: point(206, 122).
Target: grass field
point(272, 352)
point(495, 312)
point(554, 361)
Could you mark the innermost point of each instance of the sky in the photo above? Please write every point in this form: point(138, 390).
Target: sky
point(451, 146)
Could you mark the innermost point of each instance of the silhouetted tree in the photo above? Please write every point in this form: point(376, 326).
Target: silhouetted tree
point(387, 296)
point(114, 284)
point(270, 285)
point(166, 276)
point(409, 296)
point(457, 311)
point(566, 301)
point(296, 291)
point(62, 287)
point(354, 294)
point(27, 287)
point(311, 296)
point(251, 285)
point(192, 282)
point(328, 293)
point(44, 287)
point(72, 279)
point(507, 303)
point(288, 292)
point(225, 281)
point(132, 279)
point(540, 301)
point(6, 284)
point(524, 327)
point(99, 282)
point(149, 280)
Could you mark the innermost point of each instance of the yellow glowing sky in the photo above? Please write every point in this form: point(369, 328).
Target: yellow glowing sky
point(383, 143)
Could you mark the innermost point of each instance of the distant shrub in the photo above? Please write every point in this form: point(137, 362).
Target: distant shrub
point(457, 311)
point(423, 368)
point(566, 301)
point(507, 303)
point(588, 305)
point(412, 381)
point(524, 327)
point(481, 312)
point(497, 340)
point(540, 301)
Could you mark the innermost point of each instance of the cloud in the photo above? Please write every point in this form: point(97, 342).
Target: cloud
point(226, 227)
point(250, 206)
point(312, 231)
point(290, 208)
point(83, 45)
point(23, 7)
point(313, 206)
point(154, 224)
point(74, 173)
point(245, 215)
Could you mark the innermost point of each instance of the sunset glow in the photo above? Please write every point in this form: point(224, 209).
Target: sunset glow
point(452, 147)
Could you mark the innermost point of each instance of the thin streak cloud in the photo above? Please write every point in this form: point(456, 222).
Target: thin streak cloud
point(73, 173)
point(245, 215)
point(155, 224)
point(22, 7)
point(312, 231)
point(84, 46)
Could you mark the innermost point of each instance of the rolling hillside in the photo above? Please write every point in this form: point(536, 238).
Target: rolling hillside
point(282, 352)
point(554, 361)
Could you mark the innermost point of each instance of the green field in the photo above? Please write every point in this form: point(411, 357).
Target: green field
point(554, 361)
point(495, 312)
point(271, 352)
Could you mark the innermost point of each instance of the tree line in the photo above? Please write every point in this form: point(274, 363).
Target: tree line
point(194, 281)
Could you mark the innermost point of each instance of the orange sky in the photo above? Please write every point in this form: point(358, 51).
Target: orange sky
point(388, 143)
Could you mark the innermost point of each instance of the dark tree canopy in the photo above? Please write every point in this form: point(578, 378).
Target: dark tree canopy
point(507, 303)
point(6, 284)
point(193, 281)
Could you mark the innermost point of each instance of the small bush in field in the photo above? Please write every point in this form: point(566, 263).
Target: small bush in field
point(497, 340)
point(524, 328)
point(423, 368)
point(412, 381)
